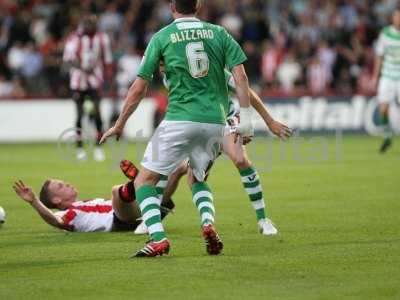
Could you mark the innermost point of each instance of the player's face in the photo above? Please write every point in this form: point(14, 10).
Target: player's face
point(64, 191)
point(396, 19)
point(90, 25)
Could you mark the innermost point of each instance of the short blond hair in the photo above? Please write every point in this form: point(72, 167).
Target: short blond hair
point(45, 195)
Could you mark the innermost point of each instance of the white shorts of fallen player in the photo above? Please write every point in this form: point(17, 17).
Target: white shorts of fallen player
point(388, 91)
point(175, 141)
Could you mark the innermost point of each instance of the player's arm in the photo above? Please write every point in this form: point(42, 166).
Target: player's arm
point(242, 86)
point(379, 52)
point(377, 69)
point(26, 194)
point(277, 128)
point(234, 59)
point(138, 89)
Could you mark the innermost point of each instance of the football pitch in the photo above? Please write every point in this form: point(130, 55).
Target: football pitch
point(336, 203)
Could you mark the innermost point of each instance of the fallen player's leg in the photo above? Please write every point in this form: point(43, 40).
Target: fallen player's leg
point(126, 211)
point(167, 205)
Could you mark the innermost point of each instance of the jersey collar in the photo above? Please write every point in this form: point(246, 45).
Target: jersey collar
point(187, 19)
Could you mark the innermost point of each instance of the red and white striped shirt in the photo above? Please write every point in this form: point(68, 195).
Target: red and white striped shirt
point(318, 78)
point(92, 52)
point(88, 216)
point(270, 61)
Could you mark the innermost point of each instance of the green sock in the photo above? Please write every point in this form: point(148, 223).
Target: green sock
point(203, 200)
point(160, 186)
point(149, 204)
point(251, 183)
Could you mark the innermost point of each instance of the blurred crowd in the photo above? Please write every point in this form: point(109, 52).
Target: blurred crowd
point(296, 47)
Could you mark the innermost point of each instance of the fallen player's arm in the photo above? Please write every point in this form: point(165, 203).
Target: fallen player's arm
point(26, 194)
point(279, 129)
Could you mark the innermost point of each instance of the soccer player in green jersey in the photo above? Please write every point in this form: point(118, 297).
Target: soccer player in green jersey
point(237, 153)
point(195, 55)
point(387, 69)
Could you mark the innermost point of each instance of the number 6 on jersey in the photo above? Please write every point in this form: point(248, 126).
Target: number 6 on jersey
point(197, 59)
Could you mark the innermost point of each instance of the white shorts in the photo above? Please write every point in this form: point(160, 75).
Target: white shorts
point(175, 141)
point(388, 91)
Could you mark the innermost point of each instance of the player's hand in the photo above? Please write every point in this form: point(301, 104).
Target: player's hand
point(243, 139)
point(24, 192)
point(247, 139)
point(113, 131)
point(280, 130)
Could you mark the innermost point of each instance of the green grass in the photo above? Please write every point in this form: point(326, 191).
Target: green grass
point(338, 216)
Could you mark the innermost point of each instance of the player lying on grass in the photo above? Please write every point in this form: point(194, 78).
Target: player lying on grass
point(237, 153)
point(121, 213)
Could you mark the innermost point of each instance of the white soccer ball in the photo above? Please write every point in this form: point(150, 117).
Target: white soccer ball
point(2, 216)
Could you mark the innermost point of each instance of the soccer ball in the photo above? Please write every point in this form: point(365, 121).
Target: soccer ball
point(2, 216)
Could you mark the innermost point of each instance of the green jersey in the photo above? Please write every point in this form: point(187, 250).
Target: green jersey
point(388, 47)
point(195, 55)
point(230, 82)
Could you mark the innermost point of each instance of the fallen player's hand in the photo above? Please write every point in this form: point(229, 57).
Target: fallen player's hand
point(111, 132)
point(280, 130)
point(24, 192)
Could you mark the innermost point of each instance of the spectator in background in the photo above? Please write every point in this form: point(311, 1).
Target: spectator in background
point(6, 87)
point(340, 32)
point(252, 63)
point(317, 77)
point(16, 57)
point(11, 89)
point(306, 29)
point(271, 59)
point(304, 52)
point(111, 20)
point(232, 21)
point(20, 27)
point(31, 66)
point(327, 56)
point(349, 14)
point(289, 73)
point(38, 30)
